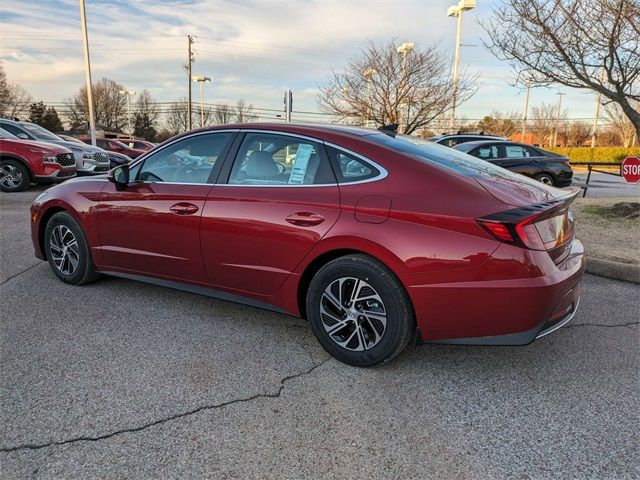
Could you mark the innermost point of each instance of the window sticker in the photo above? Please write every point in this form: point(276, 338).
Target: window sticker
point(300, 164)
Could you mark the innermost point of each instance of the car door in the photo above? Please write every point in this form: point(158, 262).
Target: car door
point(276, 198)
point(152, 227)
point(517, 158)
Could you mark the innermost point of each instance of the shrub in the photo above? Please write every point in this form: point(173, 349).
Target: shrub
point(597, 154)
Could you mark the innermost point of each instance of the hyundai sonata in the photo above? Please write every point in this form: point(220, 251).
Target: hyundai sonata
point(375, 238)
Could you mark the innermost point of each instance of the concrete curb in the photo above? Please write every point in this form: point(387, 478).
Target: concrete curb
point(611, 269)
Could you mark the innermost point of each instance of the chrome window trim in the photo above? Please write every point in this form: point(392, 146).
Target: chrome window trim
point(383, 171)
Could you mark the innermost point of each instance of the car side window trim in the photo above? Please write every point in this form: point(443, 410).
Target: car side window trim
point(213, 176)
point(383, 171)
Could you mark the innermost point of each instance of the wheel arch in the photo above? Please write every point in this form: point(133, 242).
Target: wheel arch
point(5, 156)
point(44, 219)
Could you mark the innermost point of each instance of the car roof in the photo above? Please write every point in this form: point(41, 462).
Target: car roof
point(466, 146)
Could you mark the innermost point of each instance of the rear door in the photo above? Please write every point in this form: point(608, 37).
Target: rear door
point(276, 198)
point(517, 158)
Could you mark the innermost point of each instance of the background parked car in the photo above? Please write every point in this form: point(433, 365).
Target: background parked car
point(117, 146)
point(137, 144)
point(453, 140)
point(25, 161)
point(546, 167)
point(89, 160)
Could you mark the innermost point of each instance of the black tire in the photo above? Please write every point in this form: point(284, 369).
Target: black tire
point(546, 178)
point(14, 176)
point(337, 276)
point(84, 270)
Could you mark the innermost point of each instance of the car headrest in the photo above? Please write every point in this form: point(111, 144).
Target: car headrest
point(261, 165)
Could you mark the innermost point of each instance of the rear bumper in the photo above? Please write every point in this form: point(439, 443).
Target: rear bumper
point(513, 298)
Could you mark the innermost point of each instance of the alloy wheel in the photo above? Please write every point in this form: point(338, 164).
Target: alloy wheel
point(10, 176)
point(353, 314)
point(64, 249)
point(546, 180)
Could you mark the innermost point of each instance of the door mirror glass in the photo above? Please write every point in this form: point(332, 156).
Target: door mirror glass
point(120, 177)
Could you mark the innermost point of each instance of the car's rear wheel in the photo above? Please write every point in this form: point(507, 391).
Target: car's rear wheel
point(14, 176)
point(546, 179)
point(67, 250)
point(359, 311)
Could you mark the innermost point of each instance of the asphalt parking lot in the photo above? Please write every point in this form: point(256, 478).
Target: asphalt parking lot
point(604, 185)
point(119, 379)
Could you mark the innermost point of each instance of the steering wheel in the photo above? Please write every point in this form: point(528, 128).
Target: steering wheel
point(281, 168)
point(182, 172)
point(150, 177)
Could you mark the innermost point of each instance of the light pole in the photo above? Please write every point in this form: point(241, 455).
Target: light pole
point(526, 110)
point(129, 94)
point(457, 11)
point(404, 50)
point(201, 79)
point(555, 133)
point(369, 73)
point(87, 73)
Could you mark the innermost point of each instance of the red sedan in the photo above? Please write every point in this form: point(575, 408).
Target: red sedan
point(373, 237)
point(113, 145)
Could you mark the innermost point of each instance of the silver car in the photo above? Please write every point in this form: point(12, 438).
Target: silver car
point(90, 160)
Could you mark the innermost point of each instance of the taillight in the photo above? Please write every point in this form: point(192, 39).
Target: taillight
point(533, 227)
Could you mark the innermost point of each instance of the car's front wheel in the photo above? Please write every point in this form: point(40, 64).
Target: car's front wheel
point(546, 179)
point(14, 176)
point(68, 251)
point(359, 311)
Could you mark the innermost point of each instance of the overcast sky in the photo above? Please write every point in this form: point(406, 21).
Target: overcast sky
point(252, 49)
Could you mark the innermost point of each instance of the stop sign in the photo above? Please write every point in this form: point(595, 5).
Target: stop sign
point(630, 169)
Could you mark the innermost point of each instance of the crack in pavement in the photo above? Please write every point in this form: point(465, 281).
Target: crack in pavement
point(170, 418)
point(628, 324)
point(23, 271)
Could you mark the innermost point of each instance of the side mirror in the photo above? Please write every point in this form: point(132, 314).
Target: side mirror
point(119, 176)
point(23, 136)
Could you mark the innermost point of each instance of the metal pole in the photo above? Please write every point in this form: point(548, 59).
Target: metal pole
point(526, 110)
point(596, 116)
point(555, 132)
point(129, 114)
point(87, 73)
point(456, 67)
point(189, 62)
point(202, 103)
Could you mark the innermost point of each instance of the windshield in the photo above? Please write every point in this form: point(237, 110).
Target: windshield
point(39, 132)
point(7, 135)
point(440, 155)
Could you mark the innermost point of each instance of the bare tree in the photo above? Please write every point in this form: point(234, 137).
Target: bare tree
point(574, 134)
point(223, 114)
point(177, 117)
point(110, 107)
point(146, 116)
point(243, 112)
point(570, 42)
point(501, 124)
point(14, 99)
point(619, 123)
point(380, 86)
point(544, 121)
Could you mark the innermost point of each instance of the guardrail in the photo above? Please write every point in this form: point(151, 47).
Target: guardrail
point(590, 168)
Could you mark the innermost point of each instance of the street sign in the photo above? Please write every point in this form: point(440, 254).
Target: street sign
point(630, 169)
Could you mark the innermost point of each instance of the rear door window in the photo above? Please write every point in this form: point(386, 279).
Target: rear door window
point(516, 151)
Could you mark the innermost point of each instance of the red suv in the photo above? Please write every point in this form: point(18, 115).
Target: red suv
point(24, 161)
point(113, 145)
point(375, 238)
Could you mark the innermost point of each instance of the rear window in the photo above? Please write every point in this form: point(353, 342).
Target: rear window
point(439, 155)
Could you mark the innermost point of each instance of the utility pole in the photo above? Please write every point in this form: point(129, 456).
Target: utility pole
point(189, 64)
point(404, 49)
point(87, 73)
point(526, 110)
point(129, 94)
point(457, 11)
point(288, 104)
point(555, 132)
point(369, 73)
point(596, 117)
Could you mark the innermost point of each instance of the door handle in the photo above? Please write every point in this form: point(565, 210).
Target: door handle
point(184, 208)
point(305, 219)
